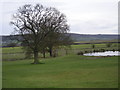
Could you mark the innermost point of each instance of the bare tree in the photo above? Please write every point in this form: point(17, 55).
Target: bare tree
point(36, 23)
point(57, 24)
point(57, 40)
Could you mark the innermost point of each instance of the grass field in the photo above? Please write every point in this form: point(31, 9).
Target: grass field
point(82, 46)
point(64, 71)
point(16, 53)
point(71, 71)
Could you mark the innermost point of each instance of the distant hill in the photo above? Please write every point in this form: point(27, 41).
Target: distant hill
point(89, 37)
point(75, 37)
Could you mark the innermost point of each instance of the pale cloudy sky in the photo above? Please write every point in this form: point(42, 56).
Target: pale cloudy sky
point(84, 16)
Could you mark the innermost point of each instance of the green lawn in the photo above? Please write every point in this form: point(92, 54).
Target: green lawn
point(12, 49)
point(82, 46)
point(70, 71)
point(16, 53)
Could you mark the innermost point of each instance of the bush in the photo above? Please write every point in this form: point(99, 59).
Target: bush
point(80, 53)
point(109, 44)
point(113, 50)
point(86, 51)
point(95, 50)
point(93, 46)
point(102, 50)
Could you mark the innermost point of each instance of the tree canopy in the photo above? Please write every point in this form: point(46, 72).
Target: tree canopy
point(40, 26)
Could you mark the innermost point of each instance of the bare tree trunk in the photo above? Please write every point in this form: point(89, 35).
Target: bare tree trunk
point(50, 51)
point(43, 53)
point(66, 51)
point(36, 61)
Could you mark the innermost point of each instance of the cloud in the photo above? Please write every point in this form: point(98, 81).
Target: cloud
point(84, 16)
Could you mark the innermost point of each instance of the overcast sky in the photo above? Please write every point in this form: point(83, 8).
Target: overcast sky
point(84, 16)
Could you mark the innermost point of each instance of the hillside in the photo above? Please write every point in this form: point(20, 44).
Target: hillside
point(97, 37)
point(75, 38)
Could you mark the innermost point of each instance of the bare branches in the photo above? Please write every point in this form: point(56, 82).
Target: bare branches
point(37, 24)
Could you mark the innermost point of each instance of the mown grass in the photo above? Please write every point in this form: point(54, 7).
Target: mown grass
point(12, 49)
point(82, 46)
point(71, 71)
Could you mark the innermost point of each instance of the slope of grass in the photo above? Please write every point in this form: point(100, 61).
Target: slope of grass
point(70, 71)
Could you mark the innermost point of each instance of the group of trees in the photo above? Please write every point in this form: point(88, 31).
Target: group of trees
point(42, 28)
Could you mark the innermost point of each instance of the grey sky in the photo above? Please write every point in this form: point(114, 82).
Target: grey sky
point(84, 16)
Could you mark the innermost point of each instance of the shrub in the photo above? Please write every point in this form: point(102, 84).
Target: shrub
point(93, 46)
point(109, 44)
point(102, 50)
point(80, 53)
